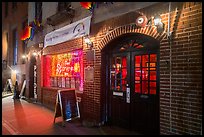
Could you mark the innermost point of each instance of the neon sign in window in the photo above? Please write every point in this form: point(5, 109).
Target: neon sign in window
point(64, 70)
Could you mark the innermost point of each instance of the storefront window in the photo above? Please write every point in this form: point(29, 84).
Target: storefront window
point(64, 70)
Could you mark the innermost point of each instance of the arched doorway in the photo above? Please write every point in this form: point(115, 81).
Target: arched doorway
point(130, 80)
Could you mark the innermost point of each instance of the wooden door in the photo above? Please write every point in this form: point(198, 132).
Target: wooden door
point(132, 83)
point(144, 93)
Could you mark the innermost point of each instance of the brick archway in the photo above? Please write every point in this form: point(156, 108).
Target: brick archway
point(149, 31)
point(131, 28)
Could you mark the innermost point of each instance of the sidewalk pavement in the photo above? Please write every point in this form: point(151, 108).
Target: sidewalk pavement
point(6, 94)
point(20, 117)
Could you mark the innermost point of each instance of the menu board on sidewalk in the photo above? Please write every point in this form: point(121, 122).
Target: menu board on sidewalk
point(66, 105)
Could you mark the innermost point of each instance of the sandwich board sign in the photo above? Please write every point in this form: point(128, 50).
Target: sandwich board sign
point(23, 89)
point(66, 105)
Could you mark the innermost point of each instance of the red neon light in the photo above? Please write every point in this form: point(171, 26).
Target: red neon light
point(46, 71)
point(64, 65)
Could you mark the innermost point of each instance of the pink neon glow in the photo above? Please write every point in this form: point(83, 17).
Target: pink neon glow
point(64, 65)
point(46, 71)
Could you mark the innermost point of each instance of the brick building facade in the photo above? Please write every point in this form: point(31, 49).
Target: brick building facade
point(14, 19)
point(179, 71)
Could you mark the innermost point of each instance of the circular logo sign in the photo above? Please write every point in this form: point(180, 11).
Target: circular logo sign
point(141, 21)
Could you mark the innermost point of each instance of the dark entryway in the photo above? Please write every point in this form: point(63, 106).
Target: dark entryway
point(132, 83)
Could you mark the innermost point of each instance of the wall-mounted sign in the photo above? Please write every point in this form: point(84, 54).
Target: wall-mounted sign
point(141, 21)
point(66, 105)
point(118, 93)
point(88, 74)
point(71, 31)
point(128, 95)
point(90, 55)
point(35, 81)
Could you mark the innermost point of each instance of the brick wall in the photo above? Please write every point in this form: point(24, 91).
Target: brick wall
point(180, 76)
point(14, 19)
point(180, 87)
point(181, 107)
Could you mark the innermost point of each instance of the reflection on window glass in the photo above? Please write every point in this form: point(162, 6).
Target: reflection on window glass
point(145, 74)
point(118, 73)
point(124, 73)
point(68, 82)
point(55, 81)
point(152, 75)
point(152, 87)
point(124, 62)
point(63, 82)
point(118, 84)
point(144, 60)
point(124, 85)
point(153, 58)
point(137, 61)
point(113, 62)
point(145, 87)
point(137, 86)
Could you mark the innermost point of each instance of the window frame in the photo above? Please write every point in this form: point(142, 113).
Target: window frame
point(15, 46)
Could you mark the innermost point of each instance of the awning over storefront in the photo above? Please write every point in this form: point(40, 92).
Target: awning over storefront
point(71, 31)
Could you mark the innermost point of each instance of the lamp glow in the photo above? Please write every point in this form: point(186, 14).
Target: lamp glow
point(35, 54)
point(157, 20)
point(158, 23)
point(88, 42)
point(24, 56)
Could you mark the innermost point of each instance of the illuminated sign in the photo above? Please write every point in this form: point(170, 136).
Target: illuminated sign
point(64, 70)
point(71, 31)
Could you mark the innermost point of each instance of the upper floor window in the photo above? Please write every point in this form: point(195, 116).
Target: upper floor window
point(6, 9)
point(24, 24)
point(63, 5)
point(15, 47)
point(38, 11)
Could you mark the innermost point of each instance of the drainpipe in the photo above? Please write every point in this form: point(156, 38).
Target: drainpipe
point(170, 44)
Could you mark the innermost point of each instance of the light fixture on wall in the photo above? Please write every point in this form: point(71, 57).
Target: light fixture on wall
point(24, 56)
point(158, 23)
point(35, 53)
point(14, 71)
point(88, 41)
